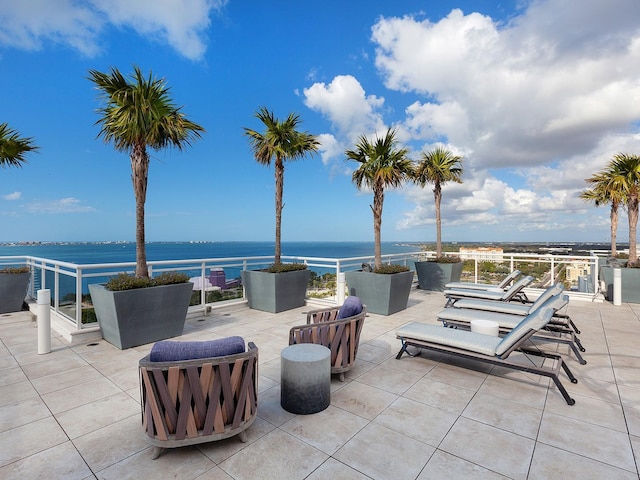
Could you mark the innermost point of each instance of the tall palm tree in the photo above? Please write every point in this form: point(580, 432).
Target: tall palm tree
point(438, 167)
point(382, 165)
point(13, 147)
point(625, 178)
point(280, 142)
point(137, 115)
point(602, 192)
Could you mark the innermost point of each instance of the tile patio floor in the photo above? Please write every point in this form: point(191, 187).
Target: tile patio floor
point(75, 413)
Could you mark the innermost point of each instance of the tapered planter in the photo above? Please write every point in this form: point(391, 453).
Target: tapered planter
point(275, 292)
point(129, 318)
point(434, 275)
point(382, 293)
point(13, 289)
point(630, 283)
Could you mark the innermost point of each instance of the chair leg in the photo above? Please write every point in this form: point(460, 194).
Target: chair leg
point(243, 436)
point(155, 452)
point(341, 376)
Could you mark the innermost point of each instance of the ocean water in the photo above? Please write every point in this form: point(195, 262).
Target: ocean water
point(119, 252)
point(115, 252)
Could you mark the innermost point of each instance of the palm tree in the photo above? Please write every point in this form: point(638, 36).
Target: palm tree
point(625, 178)
point(138, 115)
point(602, 192)
point(13, 147)
point(280, 142)
point(438, 166)
point(382, 165)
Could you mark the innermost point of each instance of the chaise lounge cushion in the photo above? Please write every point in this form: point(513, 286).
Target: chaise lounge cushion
point(474, 342)
point(170, 351)
point(351, 306)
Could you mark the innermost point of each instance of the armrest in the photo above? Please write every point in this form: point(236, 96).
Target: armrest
point(328, 314)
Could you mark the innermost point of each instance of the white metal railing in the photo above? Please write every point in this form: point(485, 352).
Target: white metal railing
point(68, 282)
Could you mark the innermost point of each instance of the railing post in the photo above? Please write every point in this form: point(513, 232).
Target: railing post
point(340, 284)
point(475, 270)
point(44, 321)
point(78, 298)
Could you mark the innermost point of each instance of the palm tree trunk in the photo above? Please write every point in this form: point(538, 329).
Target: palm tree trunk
point(437, 195)
point(632, 208)
point(139, 173)
point(279, 173)
point(614, 229)
point(378, 200)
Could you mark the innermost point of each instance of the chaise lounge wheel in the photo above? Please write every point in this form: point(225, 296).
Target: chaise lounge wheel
point(571, 402)
point(574, 380)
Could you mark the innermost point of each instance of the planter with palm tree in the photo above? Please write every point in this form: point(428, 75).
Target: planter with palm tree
point(281, 287)
point(14, 281)
point(619, 183)
point(438, 167)
point(382, 165)
point(138, 114)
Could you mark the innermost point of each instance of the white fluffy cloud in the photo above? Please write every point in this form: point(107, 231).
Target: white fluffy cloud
point(12, 196)
point(62, 205)
point(535, 105)
point(78, 23)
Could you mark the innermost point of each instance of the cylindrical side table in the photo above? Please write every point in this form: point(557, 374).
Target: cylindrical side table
point(305, 371)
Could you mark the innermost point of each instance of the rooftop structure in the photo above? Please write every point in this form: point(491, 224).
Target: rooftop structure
point(75, 413)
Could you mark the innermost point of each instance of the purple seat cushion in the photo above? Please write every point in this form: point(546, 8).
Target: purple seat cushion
point(351, 306)
point(170, 351)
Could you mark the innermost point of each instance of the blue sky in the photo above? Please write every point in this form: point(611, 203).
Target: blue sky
point(536, 95)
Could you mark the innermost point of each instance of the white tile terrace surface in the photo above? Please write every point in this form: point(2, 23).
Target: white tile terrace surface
point(75, 413)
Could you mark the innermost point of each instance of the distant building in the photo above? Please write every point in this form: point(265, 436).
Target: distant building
point(576, 270)
point(483, 254)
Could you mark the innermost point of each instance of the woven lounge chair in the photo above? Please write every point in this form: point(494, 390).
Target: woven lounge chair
point(195, 392)
point(502, 286)
point(337, 328)
point(487, 348)
point(515, 292)
point(462, 318)
point(559, 321)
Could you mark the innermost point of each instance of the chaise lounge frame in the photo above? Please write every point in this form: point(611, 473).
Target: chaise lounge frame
point(442, 345)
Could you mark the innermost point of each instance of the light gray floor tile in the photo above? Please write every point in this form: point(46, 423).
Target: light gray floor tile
point(550, 462)
point(275, 456)
point(77, 395)
point(186, 462)
point(113, 443)
point(440, 395)
point(598, 443)
point(497, 450)
point(333, 469)
point(381, 453)
point(22, 412)
point(62, 461)
point(29, 439)
point(389, 379)
point(506, 415)
point(417, 420)
point(363, 400)
point(444, 466)
point(327, 430)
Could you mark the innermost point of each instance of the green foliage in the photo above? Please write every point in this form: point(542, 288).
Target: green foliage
point(24, 269)
point(446, 259)
point(124, 281)
point(285, 267)
point(391, 268)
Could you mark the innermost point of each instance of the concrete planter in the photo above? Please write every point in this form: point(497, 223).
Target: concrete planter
point(384, 294)
point(135, 317)
point(434, 275)
point(275, 292)
point(630, 283)
point(13, 289)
